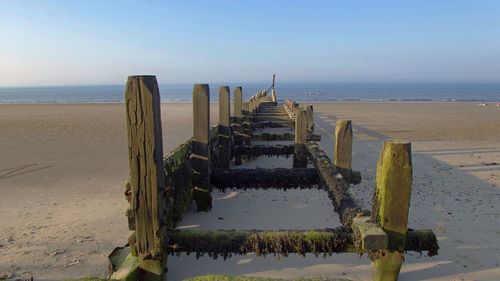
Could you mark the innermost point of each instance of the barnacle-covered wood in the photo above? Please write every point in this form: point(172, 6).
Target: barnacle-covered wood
point(337, 186)
point(282, 137)
point(225, 243)
point(177, 157)
point(179, 193)
point(277, 178)
point(274, 137)
point(420, 240)
point(271, 124)
point(260, 150)
point(178, 184)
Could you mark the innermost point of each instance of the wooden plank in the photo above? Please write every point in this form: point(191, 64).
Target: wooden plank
point(391, 205)
point(370, 235)
point(124, 266)
point(200, 156)
point(142, 100)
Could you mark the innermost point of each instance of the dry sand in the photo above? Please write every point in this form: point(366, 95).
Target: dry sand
point(63, 167)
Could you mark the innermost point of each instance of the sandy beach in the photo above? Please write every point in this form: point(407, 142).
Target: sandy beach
point(63, 169)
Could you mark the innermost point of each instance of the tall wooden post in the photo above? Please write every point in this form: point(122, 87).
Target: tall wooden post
point(200, 147)
point(238, 102)
point(273, 92)
point(300, 157)
point(145, 147)
point(343, 144)
point(224, 127)
point(391, 206)
point(310, 119)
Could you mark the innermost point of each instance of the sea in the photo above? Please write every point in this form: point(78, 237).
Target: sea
point(317, 92)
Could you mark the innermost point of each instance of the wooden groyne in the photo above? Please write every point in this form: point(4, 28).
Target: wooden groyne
point(161, 189)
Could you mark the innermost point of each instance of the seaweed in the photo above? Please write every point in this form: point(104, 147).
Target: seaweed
point(336, 185)
point(178, 193)
point(177, 157)
point(260, 150)
point(277, 178)
point(280, 243)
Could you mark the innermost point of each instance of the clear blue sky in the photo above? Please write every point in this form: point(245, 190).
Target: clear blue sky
point(101, 42)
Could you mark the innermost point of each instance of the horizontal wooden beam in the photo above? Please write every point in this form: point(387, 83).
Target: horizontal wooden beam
point(260, 150)
point(283, 137)
point(281, 242)
point(177, 157)
point(277, 178)
point(335, 183)
point(225, 243)
point(271, 124)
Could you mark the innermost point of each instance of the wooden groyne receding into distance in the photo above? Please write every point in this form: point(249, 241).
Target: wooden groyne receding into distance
point(161, 188)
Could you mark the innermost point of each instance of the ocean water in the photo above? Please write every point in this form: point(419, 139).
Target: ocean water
point(447, 92)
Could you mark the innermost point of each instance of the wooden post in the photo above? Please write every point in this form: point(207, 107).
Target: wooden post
point(301, 127)
point(238, 102)
point(200, 150)
point(300, 157)
point(310, 119)
point(343, 144)
point(145, 147)
point(224, 127)
point(391, 206)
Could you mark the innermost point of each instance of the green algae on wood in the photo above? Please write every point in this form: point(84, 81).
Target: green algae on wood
point(279, 242)
point(178, 193)
point(81, 279)
point(177, 157)
point(391, 205)
point(217, 277)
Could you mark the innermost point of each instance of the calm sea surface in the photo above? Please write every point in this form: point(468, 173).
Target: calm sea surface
point(484, 92)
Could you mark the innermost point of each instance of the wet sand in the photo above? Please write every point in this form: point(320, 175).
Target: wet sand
point(63, 168)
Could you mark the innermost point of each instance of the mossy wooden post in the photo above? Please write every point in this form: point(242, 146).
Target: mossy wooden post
point(343, 144)
point(200, 155)
point(300, 158)
point(224, 127)
point(310, 119)
point(142, 100)
point(391, 205)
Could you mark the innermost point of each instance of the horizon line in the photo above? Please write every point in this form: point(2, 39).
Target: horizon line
point(255, 82)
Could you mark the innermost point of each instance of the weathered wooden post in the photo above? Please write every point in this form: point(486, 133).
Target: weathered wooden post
point(200, 147)
point(391, 206)
point(145, 147)
point(300, 157)
point(238, 103)
point(310, 119)
point(273, 92)
point(343, 144)
point(224, 127)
